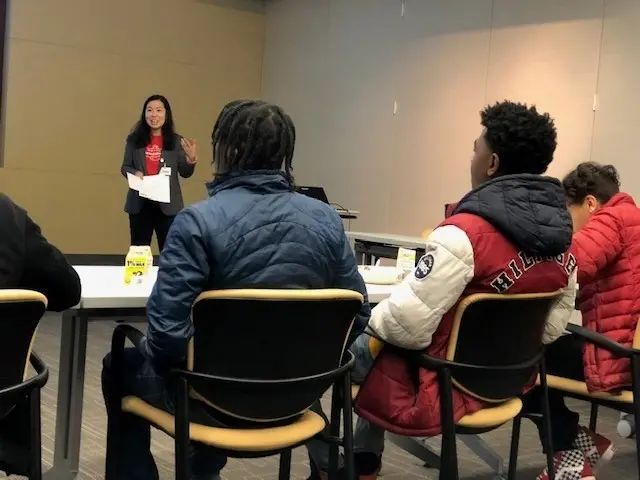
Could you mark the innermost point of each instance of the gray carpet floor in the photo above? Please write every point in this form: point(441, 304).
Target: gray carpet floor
point(398, 465)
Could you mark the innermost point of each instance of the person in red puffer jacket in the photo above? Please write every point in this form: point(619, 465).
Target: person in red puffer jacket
point(606, 245)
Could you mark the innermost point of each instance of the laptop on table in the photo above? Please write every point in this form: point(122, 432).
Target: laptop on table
point(314, 192)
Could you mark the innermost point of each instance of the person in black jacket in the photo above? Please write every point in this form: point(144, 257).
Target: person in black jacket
point(29, 261)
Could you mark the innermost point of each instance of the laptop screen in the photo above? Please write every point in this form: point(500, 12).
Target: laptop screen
point(314, 192)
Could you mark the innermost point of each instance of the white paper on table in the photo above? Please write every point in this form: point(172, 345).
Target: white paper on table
point(156, 188)
point(135, 183)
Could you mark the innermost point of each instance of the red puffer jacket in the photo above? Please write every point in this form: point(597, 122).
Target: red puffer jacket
point(607, 250)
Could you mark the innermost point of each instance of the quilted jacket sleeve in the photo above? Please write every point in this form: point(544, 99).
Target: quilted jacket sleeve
point(182, 275)
point(412, 313)
point(561, 312)
point(597, 244)
point(348, 277)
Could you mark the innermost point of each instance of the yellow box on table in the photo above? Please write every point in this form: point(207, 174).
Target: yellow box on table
point(137, 264)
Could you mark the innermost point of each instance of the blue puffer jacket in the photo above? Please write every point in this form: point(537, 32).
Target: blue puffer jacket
point(253, 232)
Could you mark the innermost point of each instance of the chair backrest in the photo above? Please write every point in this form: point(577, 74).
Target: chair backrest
point(20, 313)
point(280, 342)
point(498, 330)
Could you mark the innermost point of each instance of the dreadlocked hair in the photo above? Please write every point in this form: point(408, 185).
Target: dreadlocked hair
point(252, 135)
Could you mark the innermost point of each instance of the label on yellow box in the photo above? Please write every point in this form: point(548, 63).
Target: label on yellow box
point(406, 260)
point(137, 264)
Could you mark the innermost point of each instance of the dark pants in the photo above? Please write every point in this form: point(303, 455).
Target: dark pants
point(563, 359)
point(136, 461)
point(150, 219)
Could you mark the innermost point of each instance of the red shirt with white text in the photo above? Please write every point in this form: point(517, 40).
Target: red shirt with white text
point(153, 153)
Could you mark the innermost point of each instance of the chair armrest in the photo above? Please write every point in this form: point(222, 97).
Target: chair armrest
point(121, 333)
point(347, 364)
point(425, 361)
point(439, 364)
point(37, 381)
point(601, 341)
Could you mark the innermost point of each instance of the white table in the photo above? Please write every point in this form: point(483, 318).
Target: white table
point(104, 296)
point(388, 239)
point(373, 245)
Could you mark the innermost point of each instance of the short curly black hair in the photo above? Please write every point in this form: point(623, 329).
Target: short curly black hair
point(523, 139)
point(591, 178)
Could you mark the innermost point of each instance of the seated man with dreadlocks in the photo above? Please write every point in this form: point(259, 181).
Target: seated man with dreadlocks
point(228, 241)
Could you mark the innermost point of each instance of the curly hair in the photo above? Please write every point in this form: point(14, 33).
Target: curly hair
point(253, 135)
point(523, 139)
point(591, 178)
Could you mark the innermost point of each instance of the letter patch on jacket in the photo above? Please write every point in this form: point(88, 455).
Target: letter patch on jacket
point(424, 267)
point(522, 263)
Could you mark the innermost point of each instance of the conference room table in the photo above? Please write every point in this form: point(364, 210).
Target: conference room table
point(369, 246)
point(104, 297)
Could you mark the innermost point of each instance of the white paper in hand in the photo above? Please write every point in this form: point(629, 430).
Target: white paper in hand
point(135, 183)
point(156, 188)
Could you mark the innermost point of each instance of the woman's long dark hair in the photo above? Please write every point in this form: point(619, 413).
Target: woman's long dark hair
point(252, 135)
point(141, 132)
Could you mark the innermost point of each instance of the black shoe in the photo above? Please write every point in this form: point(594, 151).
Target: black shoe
point(367, 464)
point(316, 473)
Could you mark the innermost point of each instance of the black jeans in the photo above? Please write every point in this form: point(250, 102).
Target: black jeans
point(564, 359)
point(136, 461)
point(150, 219)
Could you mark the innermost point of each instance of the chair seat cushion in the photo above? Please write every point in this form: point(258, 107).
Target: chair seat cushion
point(242, 440)
point(580, 388)
point(492, 416)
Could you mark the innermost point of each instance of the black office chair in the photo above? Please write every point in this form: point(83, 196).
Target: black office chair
point(494, 352)
point(626, 400)
point(20, 314)
point(258, 360)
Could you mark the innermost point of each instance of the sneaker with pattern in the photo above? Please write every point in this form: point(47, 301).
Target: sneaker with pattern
point(595, 448)
point(569, 465)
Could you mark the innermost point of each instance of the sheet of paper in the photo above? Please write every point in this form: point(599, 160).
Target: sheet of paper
point(156, 188)
point(135, 183)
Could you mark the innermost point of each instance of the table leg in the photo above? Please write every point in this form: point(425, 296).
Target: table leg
point(73, 350)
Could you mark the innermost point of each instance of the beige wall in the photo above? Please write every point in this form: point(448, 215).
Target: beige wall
point(78, 72)
point(440, 64)
point(617, 120)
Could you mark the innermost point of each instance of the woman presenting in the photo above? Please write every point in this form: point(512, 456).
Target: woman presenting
point(153, 148)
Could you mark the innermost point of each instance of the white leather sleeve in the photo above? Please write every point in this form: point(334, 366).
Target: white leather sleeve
point(561, 312)
point(412, 313)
